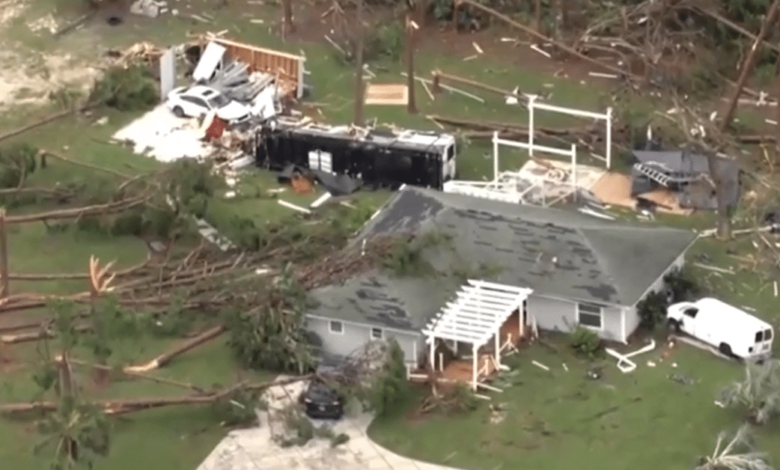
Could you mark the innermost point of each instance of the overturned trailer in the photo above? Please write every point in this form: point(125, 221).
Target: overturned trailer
point(379, 159)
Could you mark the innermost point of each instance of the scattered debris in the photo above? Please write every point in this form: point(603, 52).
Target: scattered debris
point(290, 205)
point(378, 94)
point(539, 365)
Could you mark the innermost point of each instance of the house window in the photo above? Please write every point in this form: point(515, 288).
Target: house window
point(377, 333)
point(336, 327)
point(589, 315)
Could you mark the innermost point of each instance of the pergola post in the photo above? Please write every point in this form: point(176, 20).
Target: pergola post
point(474, 372)
point(498, 347)
point(432, 352)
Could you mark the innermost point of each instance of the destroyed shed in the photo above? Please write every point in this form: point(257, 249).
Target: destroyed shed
point(551, 268)
point(246, 73)
point(687, 175)
point(377, 158)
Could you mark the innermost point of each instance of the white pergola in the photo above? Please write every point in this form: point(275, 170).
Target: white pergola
point(476, 315)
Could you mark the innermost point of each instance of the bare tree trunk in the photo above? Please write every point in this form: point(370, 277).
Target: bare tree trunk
point(723, 224)
point(411, 104)
point(359, 94)
point(538, 16)
point(178, 350)
point(747, 66)
point(564, 12)
point(289, 26)
point(6, 291)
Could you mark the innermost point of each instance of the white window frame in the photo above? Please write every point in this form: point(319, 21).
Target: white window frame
point(381, 333)
point(593, 306)
point(334, 332)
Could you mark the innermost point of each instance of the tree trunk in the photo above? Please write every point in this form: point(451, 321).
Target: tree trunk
point(747, 66)
point(411, 104)
point(723, 224)
point(538, 16)
point(359, 93)
point(6, 291)
point(180, 349)
point(289, 26)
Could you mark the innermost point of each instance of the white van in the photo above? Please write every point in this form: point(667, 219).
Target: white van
point(733, 331)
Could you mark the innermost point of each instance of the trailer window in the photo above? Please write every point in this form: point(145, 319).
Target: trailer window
point(691, 312)
point(450, 152)
point(767, 335)
point(759, 337)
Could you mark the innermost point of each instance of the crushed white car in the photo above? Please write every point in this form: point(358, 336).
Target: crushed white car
point(733, 331)
point(199, 100)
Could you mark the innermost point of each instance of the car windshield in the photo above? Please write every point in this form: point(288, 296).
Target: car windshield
point(218, 101)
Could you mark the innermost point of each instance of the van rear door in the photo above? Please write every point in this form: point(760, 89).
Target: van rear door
point(762, 343)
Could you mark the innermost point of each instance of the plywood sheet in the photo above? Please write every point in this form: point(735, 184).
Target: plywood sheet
point(615, 189)
point(387, 94)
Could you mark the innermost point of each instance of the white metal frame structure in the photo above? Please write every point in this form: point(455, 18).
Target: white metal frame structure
point(504, 186)
point(476, 315)
point(607, 117)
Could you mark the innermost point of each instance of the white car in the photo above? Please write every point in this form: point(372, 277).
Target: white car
point(199, 100)
point(733, 331)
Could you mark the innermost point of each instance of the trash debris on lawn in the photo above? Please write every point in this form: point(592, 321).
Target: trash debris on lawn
point(625, 364)
point(387, 94)
point(336, 185)
point(338, 155)
point(161, 135)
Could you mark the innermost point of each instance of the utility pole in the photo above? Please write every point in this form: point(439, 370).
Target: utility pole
point(359, 94)
point(747, 66)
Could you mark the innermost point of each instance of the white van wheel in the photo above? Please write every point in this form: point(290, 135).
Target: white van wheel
point(725, 349)
point(674, 325)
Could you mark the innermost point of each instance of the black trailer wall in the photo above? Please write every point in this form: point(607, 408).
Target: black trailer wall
point(376, 165)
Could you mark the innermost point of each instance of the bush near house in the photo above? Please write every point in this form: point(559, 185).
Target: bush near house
point(585, 342)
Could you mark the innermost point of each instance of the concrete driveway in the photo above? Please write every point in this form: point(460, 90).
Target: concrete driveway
point(255, 449)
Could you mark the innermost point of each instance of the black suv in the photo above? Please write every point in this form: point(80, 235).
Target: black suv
point(322, 402)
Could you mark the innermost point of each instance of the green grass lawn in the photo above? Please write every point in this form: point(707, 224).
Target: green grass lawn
point(174, 437)
point(560, 419)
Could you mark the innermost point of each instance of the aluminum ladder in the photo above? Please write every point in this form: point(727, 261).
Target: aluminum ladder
point(658, 176)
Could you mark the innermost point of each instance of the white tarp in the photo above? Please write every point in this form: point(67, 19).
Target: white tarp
point(165, 137)
point(208, 62)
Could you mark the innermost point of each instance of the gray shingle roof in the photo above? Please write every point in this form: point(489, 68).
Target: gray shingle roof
point(595, 260)
point(376, 299)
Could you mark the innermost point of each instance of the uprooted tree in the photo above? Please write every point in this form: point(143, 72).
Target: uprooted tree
point(758, 391)
point(737, 454)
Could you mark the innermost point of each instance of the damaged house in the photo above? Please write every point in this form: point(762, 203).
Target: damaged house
point(553, 269)
point(687, 175)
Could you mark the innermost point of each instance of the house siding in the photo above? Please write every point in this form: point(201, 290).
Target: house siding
point(561, 315)
point(356, 335)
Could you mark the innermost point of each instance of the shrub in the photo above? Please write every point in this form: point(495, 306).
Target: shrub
point(585, 342)
point(125, 89)
point(391, 387)
point(681, 285)
point(652, 310)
